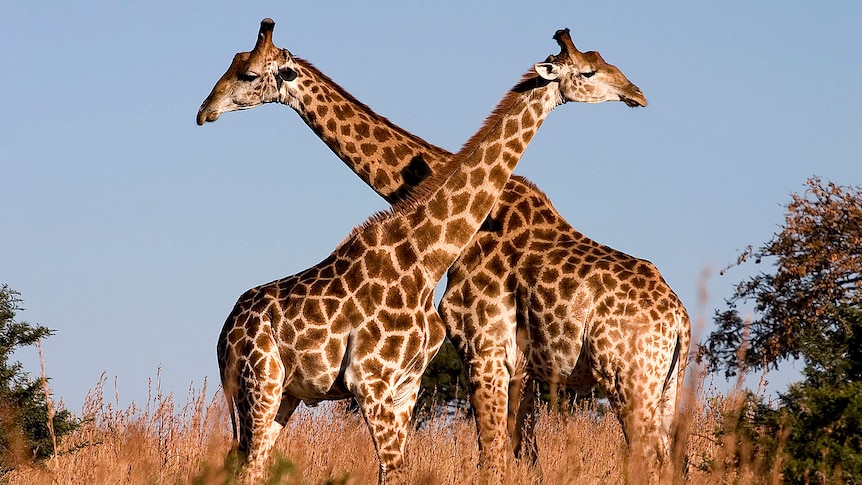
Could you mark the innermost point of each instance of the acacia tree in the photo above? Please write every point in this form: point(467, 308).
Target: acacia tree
point(801, 307)
point(24, 431)
point(809, 308)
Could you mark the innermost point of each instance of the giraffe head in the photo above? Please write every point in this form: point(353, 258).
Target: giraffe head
point(586, 77)
point(253, 78)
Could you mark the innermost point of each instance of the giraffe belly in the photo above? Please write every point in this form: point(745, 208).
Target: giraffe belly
point(571, 371)
point(316, 374)
point(557, 353)
point(556, 309)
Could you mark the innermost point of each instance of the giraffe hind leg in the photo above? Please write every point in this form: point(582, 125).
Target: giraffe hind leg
point(666, 414)
point(646, 413)
point(521, 413)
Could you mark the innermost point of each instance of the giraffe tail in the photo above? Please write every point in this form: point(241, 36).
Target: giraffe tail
point(231, 409)
point(682, 343)
point(673, 389)
point(676, 372)
point(228, 387)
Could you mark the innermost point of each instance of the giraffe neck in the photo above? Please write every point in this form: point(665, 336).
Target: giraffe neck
point(389, 159)
point(457, 200)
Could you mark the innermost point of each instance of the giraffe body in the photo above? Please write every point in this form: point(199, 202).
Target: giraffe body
point(395, 163)
point(571, 312)
point(351, 326)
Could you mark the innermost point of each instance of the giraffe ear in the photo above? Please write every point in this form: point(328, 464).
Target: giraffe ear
point(547, 70)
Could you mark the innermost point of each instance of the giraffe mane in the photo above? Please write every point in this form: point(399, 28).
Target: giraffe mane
point(536, 191)
point(421, 192)
point(531, 185)
point(528, 82)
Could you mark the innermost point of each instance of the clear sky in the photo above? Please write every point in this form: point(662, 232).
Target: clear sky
point(132, 231)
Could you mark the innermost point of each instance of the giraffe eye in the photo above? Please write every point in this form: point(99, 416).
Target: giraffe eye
point(248, 76)
point(588, 74)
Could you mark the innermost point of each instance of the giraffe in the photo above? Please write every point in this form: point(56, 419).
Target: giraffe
point(393, 161)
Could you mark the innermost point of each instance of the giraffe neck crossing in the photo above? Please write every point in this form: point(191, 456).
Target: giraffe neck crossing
point(444, 213)
point(386, 157)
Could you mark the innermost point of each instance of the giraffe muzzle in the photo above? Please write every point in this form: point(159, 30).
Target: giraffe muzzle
point(204, 116)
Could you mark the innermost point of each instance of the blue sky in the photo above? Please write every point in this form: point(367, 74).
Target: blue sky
point(132, 231)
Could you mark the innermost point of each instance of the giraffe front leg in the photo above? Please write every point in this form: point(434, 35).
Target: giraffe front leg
point(483, 333)
point(258, 403)
point(389, 433)
point(489, 382)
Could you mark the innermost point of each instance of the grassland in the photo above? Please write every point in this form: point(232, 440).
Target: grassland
point(170, 442)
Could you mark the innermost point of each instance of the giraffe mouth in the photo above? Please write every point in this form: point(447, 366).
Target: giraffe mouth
point(633, 103)
point(633, 98)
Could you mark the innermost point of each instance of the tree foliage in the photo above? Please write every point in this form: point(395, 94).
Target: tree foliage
point(445, 387)
point(24, 431)
point(444, 383)
point(816, 430)
point(824, 444)
point(809, 308)
point(801, 307)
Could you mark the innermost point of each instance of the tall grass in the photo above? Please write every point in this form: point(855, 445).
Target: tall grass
point(168, 443)
point(165, 442)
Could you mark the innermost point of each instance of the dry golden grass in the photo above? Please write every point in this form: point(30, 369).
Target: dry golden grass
point(165, 443)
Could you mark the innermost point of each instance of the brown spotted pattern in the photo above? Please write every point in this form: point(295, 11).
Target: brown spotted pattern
point(394, 162)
